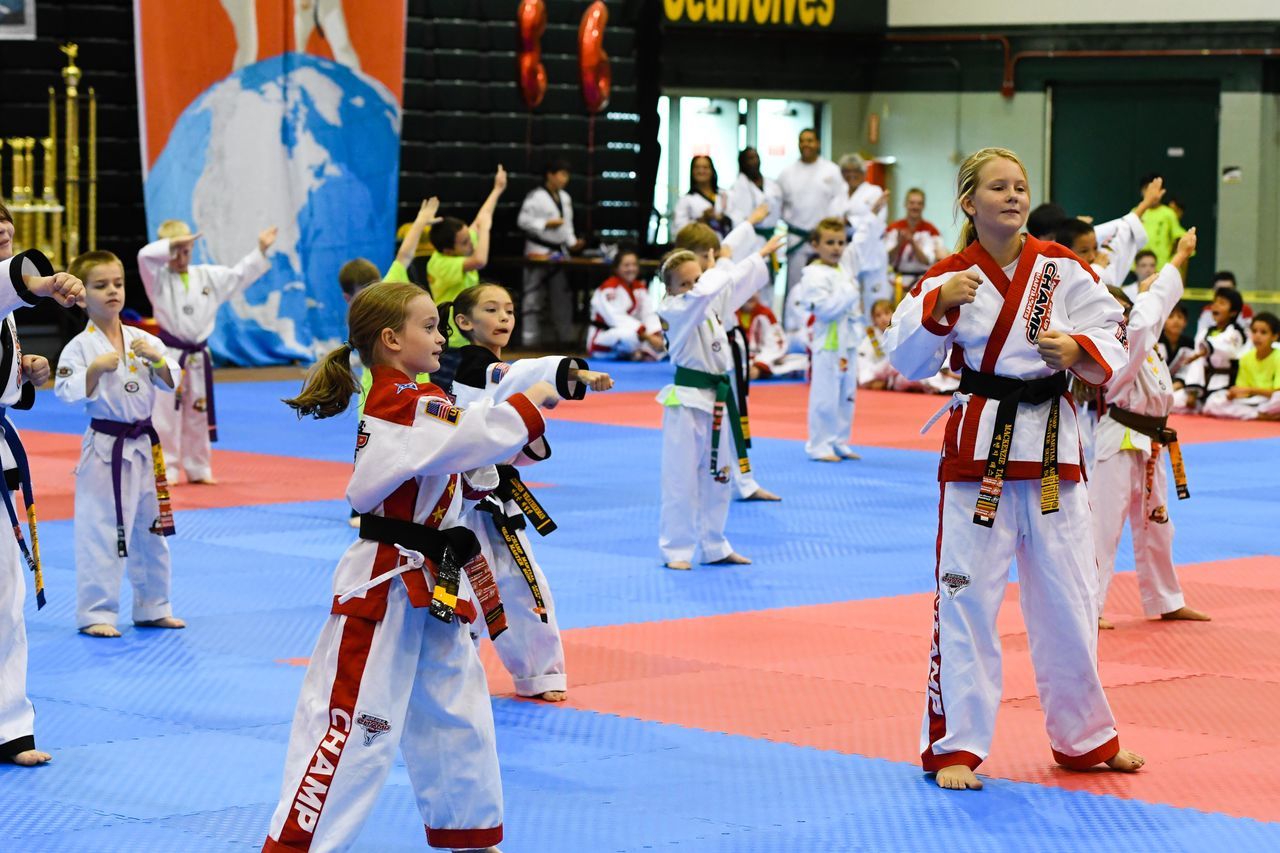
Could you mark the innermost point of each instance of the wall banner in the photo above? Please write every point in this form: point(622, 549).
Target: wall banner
point(274, 112)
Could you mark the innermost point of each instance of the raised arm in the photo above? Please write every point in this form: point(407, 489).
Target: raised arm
point(426, 218)
point(483, 223)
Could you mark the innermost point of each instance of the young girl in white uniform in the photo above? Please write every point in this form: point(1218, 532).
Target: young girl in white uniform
point(122, 497)
point(24, 278)
point(705, 201)
point(701, 436)
point(395, 667)
point(185, 300)
point(767, 343)
point(623, 322)
point(830, 293)
point(1129, 480)
point(1017, 313)
point(530, 648)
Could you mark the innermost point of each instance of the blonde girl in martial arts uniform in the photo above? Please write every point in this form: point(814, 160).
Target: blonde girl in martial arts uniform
point(185, 299)
point(24, 278)
point(122, 506)
point(701, 433)
point(829, 292)
point(530, 648)
point(395, 667)
point(1129, 480)
point(1016, 314)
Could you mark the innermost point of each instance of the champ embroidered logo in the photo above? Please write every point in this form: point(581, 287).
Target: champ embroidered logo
point(373, 726)
point(406, 386)
point(442, 410)
point(1040, 301)
point(953, 582)
point(314, 788)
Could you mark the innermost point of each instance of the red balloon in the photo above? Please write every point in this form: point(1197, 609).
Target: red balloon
point(532, 74)
point(593, 62)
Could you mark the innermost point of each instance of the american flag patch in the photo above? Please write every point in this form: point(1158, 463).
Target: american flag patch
point(498, 371)
point(442, 410)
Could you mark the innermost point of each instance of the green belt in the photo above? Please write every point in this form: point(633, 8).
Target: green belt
point(725, 404)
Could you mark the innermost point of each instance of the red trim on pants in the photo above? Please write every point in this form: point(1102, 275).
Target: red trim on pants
point(464, 839)
point(936, 709)
point(933, 763)
point(1098, 755)
point(353, 654)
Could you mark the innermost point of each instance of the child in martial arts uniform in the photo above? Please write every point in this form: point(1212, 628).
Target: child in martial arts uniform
point(701, 432)
point(767, 343)
point(1021, 313)
point(623, 324)
point(530, 648)
point(185, 300)
point(1256, 392)
point(24, 278)
point(122, 497)
point(1128, 479)
point(874, 369)
point(1212, 369)
point(395, 666)
point(831, 294)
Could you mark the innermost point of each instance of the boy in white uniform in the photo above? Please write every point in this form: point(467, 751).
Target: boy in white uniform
point(1129, 478)
point(701, 434)
point(808, 186)
point(185, 300)
point(864, 207)
point(122, 498)
point(832, 296)
point(24, 278)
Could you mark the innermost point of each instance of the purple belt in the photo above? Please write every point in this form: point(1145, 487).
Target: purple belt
point(189, 349)
point(122, 431)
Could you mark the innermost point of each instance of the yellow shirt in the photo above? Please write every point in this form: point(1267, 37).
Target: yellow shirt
point(448, 279)
point(1263, 373)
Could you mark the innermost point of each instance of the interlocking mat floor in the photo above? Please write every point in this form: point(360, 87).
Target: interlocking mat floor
point(771, 707)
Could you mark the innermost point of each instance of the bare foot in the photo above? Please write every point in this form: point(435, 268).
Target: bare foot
point(830, 458)
point(354, 521)
point(1104, 625)
point(732, 560)
point(553, 696)
point(957, 777)
point(762, 494)
point(100, 630)
point(31, 758)
point(207, 481)
point(680, 565)
point(166, 622)
point(1187, 614)
point(1126, 762)
point(848, 453)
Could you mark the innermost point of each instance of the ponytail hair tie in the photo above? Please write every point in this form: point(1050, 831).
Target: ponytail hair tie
point(347, 345)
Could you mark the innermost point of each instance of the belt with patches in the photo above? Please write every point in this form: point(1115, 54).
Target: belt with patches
point(190, 349)
point(122, 431)
point(509, 527)
point(32, 556)
point(1156, 429)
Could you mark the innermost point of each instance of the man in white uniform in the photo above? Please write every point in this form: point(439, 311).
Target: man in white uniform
point(808, 186)
point(546, 218)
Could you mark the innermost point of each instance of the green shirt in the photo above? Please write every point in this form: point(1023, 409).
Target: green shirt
point(448, 279)
point(397, 272)
point(1263, 373)
point(1163, 231)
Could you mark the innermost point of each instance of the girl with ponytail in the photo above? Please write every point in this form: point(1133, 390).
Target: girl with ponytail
point(395, 665)
point(1016, 315)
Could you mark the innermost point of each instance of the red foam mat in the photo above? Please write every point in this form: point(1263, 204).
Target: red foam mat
point(882, 418)
point(1197, 699)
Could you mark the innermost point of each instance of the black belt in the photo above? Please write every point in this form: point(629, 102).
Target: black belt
point(1010, 392)
point(742, 372)
point(509, 526)
point(1156, 429)
point(122, 431)
point(32, 555)
point(449, 549)
point(512, 488)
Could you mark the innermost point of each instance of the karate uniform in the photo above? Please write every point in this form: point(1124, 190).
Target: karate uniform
point(530, 648)
point(867, 238)
point(17, 714)
point(695, 504)
point(691, 206)
point(807, 191)
point(386, 673)
point(767, 345)
point(546, 305)
point(1130, 477)
point(621, 317)
point(1261, 373)
point(1214, 373)
point(832, 298)
point(125, 395)
point(744, 196)
point(1119, 240)
point(186, 313)
point(1045, 288)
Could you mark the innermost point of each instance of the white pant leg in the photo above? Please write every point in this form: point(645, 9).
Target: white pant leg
point(847, 399)
point(530, 649)
point(1058, 585)
point(1088, 424)
point(449, 747)
point(965, 672)
point(335, 766)
point(1153, 544)
point(197, 453)
point(825, 405)
point(1220, 406)
point(148, 564)
point(1114, 484)
point(686, 441)
point(621, 342)
point(167, 420)
point(744, 484)
point(17, 715)
point(714, 496)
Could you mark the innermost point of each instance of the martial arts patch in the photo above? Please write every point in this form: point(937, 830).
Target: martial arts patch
point(362, 437)
point(1040, 301)
point(208, 291)
point(498, 371)
point(406, 386)
point(715, 346)
point(666, 327)
point(200, 405)
point(442, 410)
point(64, 371)
point(132, 386)
point(1122, 335)
point(188, 310)
point(953, 582)
point(844, 365)
point(1160, 515)
point(373, 726)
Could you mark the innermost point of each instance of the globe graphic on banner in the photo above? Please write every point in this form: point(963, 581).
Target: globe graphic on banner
point(299, 142)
